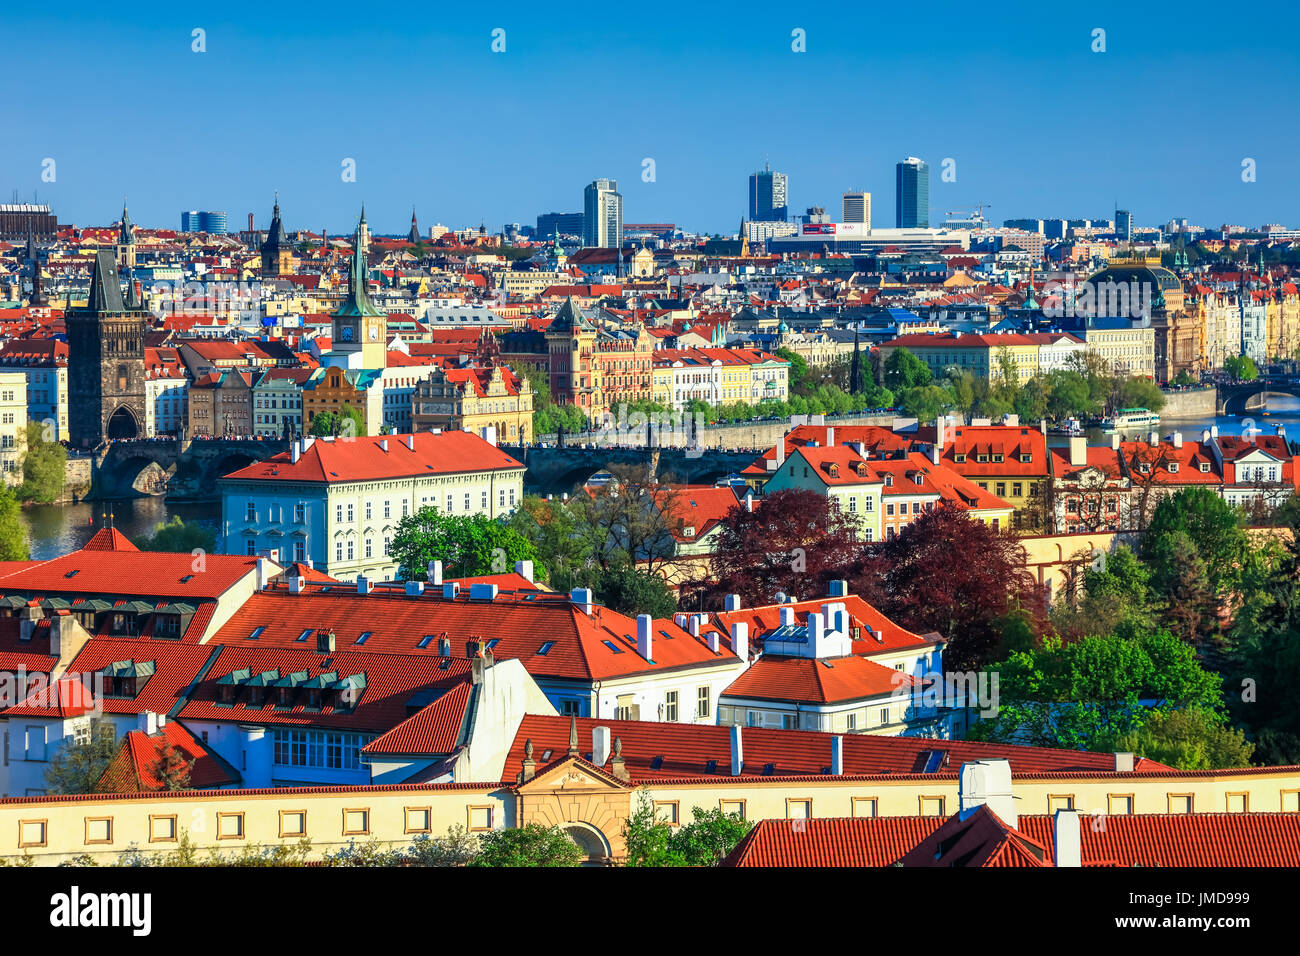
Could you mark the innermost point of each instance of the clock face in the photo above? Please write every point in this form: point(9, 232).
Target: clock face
point(346, 333)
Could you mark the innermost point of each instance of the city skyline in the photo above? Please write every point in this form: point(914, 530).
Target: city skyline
point(1072, 154)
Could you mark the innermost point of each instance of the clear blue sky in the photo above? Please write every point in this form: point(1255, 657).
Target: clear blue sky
point(1037, 123)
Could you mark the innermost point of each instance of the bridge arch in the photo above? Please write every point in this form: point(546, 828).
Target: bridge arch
point(123, 424)
point(1242, 399)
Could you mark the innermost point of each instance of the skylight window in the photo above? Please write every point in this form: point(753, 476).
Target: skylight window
point(257, 632)
point(185, 580)
point(613, 647)
point(304, 635)
point(365, 636)
point(445, 664)
point(425, 641)
point(545, 649)
point(72, 573)
point(493, 643)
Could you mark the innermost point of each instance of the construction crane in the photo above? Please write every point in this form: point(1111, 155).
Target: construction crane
point(974, 215)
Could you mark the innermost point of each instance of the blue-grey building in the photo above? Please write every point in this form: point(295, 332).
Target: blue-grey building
point(912, 189)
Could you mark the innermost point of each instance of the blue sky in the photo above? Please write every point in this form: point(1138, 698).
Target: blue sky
point(1038, 124)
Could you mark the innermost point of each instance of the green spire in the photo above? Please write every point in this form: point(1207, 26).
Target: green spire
point(358, 300)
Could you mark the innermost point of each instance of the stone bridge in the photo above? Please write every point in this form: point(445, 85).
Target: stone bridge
point(1250, 396)
point(559, 470)
point(185, 469)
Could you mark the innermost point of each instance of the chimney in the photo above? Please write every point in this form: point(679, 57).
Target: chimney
point(645, 636)
point(749, 502)
point(787, 615)
point(363, 585)
point(1078, 451)
point(582, 598)
point(1152, 439)
point(1042, 426)
point(147, 722)
point(1114, 441)
point(28, 620)
point(780, 451)
point(839, 588)
point(482, 592)
point(435, 573)
point(987, 782)
point(1214, 431)
point(410, 442)
point(295, 450)
point(444, 646)
point(830, 437)
point(600, 745)
point(383, 444)
point(817, 633)
point(938, 433)
point(1124, 762)
point(263, 572)
point(737, 751)
point(740, 640)
point(1178, 439)
point(525, 570)
point(449, 590)
point(712, 638)
point(694, 624)
point(732, 602)
point(414, 588)
point(1205, 435)
point(837, 756)
point(1068, 838)
point(325, 641)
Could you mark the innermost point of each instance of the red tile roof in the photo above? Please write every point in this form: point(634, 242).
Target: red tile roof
point(154, 574)
point(109, 539)
point(131, 769)
point(66, 697)
point(364, 459)
point(435, 730)
point(825, 681)
point(665, 751)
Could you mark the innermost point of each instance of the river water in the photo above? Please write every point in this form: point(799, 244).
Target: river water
point(54, 530)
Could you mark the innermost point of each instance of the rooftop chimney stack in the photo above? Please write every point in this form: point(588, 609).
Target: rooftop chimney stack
point(987, 782)
point(410, 442)
point(297, 585)
point(1178, 439)
point(839, 588)
point(1124, 762)
point(1078, 451)
point(363, 585)
point(582, 598)
point(830, 436)
point(435, 573)
point(1152, 439)
point(644, 636)
point(414, 588)
point(740, 640)
point(1068, 842)
point(732, 602)
point(787, 615)
point(1214, 431)
point(450, 589)
point(694, 624)
point(525, 570)
point(601, 745)
point(837, 756)
point(737, 751)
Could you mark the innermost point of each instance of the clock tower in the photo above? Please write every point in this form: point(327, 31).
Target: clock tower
point(360, 329)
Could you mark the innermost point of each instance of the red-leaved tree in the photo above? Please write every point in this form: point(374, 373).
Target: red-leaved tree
point(795, 543)
point(949, 573)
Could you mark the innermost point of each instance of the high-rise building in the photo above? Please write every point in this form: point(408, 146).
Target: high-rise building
point(603, 215)
point(213, 223)
point(768, 196)
point(1124, 224)
point(563, 223)
point(912, 189)
point(857, 208)
point(20, 218)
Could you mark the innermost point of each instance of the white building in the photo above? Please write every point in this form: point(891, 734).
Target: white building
point(337, 502)
point(13, 425)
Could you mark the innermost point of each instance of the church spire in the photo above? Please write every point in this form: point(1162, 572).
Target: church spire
point(413, 236)
point(106, 285)
point(358, 300)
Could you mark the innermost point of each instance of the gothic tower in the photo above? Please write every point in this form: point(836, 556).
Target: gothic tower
point(106, 392)
point(277, 250)
point(125, 241)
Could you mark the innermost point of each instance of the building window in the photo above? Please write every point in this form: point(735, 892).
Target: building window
point(356, 821)
point(931, 806)
point(250, 512)
point(1119, 804)
point(798, 809)
point(479, 818)
point(293, 823)
point(702, 702)
point(230, 826)
point(300, 513)
point(1238, 802)
point(668, 811)
point(1180, 803)
point(162, 828)
point(865, 806)
point(732, 808)
point(418, 819)
point(250, 546)
point(670, 706)
point(1060, 801)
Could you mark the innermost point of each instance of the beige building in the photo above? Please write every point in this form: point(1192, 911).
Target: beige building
point(473, 399)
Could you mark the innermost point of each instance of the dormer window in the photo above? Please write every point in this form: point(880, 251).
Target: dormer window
point(1144, 468)
point(982, 458)
point(1173, 467)
point(889, 481)
point(997, 457)
point(959, 456)
point(919, 478)
point(1027, 457)
point(1205, 467)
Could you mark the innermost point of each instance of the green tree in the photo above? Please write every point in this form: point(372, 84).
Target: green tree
point(799, 377)
point(1194, 739)
point(629, 591)
point(347, 422)
point(1136, 392)
point(925, 403)
point(904, 370)
point(1213, 527)
point(529, 845)
point(467, 545)
point(44, 466)
point(171, 769)
point(13, 533)
point(705, 841)
point(1241, 367)
point(179, 536)
point(78, 765)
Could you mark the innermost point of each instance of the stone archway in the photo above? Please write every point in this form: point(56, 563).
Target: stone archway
point(122, 424)
point(592, 842)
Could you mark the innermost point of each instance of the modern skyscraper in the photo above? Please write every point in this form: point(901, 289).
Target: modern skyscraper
point(213, 223)
point(1124, 224)
point(768, 196)
point(603, 215)
point(857, 208)
point(565, 223)
point(912, 189)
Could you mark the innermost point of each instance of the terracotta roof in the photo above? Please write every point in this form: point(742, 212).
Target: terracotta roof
point(666, 751)
point(66, 697)
point(154, 574)
point(109, 539)
point(364, 459)
point(878, 634)
point(175, 666)
point(822, 681)
point(131, 769)
point(436, 729)
point(1147, 840)
point(978, 839)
